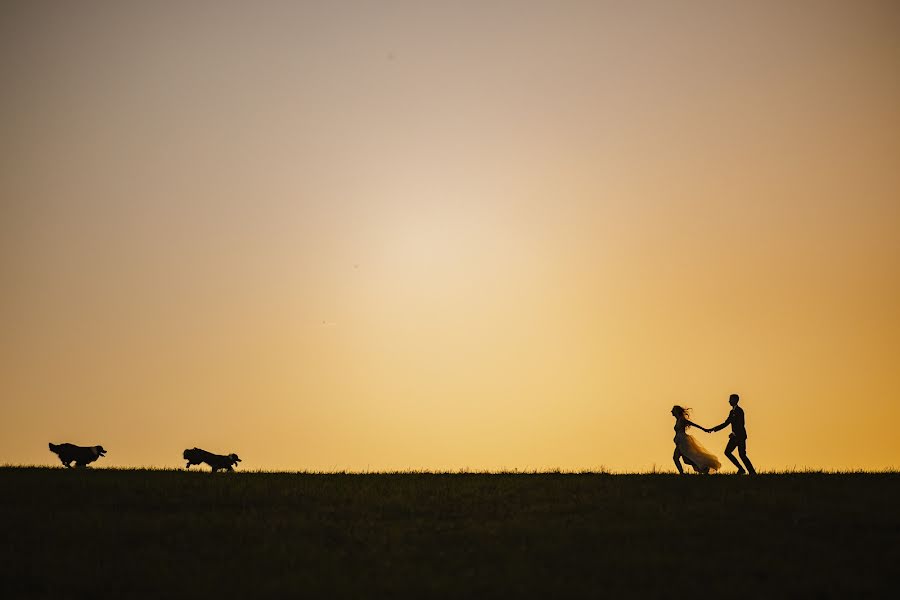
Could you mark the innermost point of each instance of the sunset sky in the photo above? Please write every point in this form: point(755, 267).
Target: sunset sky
point(447, 235)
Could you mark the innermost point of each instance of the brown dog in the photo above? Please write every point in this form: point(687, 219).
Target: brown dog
point(80, 455)
point(195, 456)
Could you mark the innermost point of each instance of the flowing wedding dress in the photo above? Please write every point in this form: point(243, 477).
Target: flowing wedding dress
point(693, 451)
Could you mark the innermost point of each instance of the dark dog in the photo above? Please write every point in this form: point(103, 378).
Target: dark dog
point(195, 456)
point(80, 455)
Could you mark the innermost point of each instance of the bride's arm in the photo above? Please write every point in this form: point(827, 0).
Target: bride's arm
point(697, 426)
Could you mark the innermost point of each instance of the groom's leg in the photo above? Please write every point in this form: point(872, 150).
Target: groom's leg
point(728, 452)
point(742, 451)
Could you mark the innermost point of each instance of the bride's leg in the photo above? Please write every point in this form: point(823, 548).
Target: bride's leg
point(677, 458)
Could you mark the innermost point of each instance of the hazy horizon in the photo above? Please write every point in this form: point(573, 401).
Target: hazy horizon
point(475, 235)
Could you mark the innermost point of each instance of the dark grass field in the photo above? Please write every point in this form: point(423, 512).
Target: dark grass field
point(162, 534)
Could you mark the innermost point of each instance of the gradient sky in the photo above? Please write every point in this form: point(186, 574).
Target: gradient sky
point(444, 235)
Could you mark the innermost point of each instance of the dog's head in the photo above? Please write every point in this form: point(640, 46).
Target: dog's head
point(99, 451)
point(234, 458)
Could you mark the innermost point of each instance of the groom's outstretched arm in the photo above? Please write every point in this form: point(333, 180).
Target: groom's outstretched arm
point(723, 425)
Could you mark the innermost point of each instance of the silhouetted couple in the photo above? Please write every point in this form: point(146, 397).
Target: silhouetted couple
point(693, 453)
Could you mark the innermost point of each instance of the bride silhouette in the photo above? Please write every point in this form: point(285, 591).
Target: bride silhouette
point(687, 448)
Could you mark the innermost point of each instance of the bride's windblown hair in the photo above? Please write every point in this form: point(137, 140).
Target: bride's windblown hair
point(682, 413)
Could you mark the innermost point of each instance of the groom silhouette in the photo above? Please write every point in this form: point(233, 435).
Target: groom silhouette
point(738, 437)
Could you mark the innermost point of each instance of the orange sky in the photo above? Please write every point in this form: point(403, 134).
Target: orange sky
point(435, 235)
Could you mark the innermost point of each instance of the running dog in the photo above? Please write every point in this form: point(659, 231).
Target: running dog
point(195, 456)
point(80, 455)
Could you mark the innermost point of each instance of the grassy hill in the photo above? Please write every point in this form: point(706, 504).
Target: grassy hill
point(145, 533)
